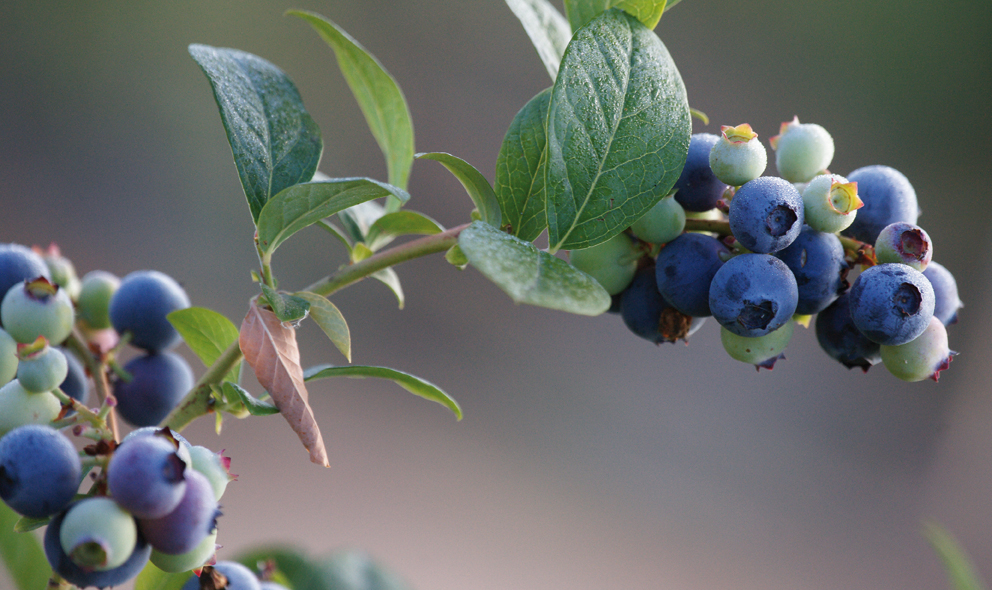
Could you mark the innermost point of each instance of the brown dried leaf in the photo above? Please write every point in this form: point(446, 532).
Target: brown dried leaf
point(271, 351)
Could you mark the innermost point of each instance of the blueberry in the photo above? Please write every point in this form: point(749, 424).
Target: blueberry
point(8, 357)
point(147, 477)
point(41, 368)
point(611, 263)
point(40, 471)
point(19, 406)
point(762, 351)
point(98, 534)
point(817, 261)
point(184, 562)
point(802, 150)
point(185, 527)
point(62, 271)
point(753, 294)
point(158, 382)
point(697, 188)
point(766, 214)
point(646, 313)
point(830, 203)
point(96, 291)
point(888, 197)
point(905, 243)
point(19, 263)
point(684, 269)
point(738, 156)
point(891, 303)
point(924, 356)
point(662, 223)
point(76, 383)
point(238, 576)
point(83, 577)
point(841, 339)
point(37, 308)
point(945, 293)
point(214, 466)
point(140, 306)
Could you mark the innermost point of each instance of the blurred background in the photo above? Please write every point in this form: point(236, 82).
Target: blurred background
point(587, 458)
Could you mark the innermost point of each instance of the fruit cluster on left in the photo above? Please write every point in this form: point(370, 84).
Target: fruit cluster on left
point(152, 496)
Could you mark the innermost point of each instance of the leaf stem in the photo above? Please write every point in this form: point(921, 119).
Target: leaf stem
point(198, 401)
point(353, 273)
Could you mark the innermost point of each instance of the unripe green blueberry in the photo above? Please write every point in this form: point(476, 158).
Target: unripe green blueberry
point(905, 243)
point(41, 368)
point(93, 306)
point(214, 466)
point(98, 534)
point(18, 407)
point(611, 263)
point(802, 150)
point(662, 223)
point(762, 351)
point(62, 270)
point(8, 357)
point(925, 356)
point(185, 562)
point(831, 203)
point(37, 308)
point(738, 157)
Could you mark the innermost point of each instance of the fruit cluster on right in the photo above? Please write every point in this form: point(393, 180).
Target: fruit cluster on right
point(761, 253)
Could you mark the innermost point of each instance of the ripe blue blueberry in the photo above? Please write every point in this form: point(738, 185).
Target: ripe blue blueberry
point(905, 243)
point(140, 306)
point(817, 261)
point(753, 294)
point(888, 197)
point(766, 214)
point(37, 308)
point(185, 527)
point(158, 382)
point(891, 303)
point(945, 293)
point(684, 269)
point(841, 339)
point(646, 313)
point(98, 534)
point(146, 477)
point(40, 471)
point(738, 157)
point(697, 188)
point(19, 263)
point(802, 150)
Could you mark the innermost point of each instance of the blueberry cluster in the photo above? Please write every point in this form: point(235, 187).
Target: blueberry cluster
point(760, 253)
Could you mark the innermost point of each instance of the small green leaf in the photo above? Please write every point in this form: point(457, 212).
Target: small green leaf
point(377, 94)
point(330, 320)
point(152, 578)
point(275, 142)
point(960, 571)
point(700, 115)
point(520, 170)
point(414, 385)
point(529, 275)
point(360, 252)
point(305, 204)
point(400, 223)
point(456, 257)
point(359, 218)
point(618, 131)
point(207, 333)
point(22, 554)
point(298, 569)
point(26, 523)
point(388, 277)
point(255, 406)
point(581, 12)
point(547, 28)
point(288, 308)
point(646, 11)
point(475, 184)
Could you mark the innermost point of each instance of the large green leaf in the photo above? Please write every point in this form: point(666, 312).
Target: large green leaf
point(529, 275)
point(476, 185)
point(22, 554)
point(330, 320)
point(414, 385)
point(581, 12)
point(207, 333)
point(304, 204)
point(377, 94)
point(547, 28)
point(618, 131)
point(520, 170)
point(275, 142)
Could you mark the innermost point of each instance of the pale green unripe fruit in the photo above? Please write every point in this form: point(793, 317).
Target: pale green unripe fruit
point(738, 157)
point(43, 370)
point(186, 561)
point(94, 298)
point(925, 356)
point(8, 357)
point(762, 351)
point(830, 203)
point(37, 308)
point(18, 407)
point(662, 223)
point(211, 465)
point(612, 263)
point(98, 534)
point(802, 150)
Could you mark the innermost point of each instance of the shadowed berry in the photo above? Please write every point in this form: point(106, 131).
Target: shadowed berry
point(888, 197)
point(39, 471)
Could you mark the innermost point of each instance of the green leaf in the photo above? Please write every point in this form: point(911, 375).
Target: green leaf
point(336, 232)
point(207, 333)
point(275, 142)
point(288, 308)
point(529, 275)
point(298, 569)
point(520, 170)
point(456, 257)
point(618, 131)
point(152, 578)
point(414, 385)
point(400, 223)
point(22, 554)
point(304, 204)
point(475, 184)
point(377, 94)
point(646, 11)
point(388, 277)
point(26, 523)
point(359, 218)
point(961, 573)
point(356, 570)
point(547, 28)
point(581, 12)
point(330, 320)
point(255, 406)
